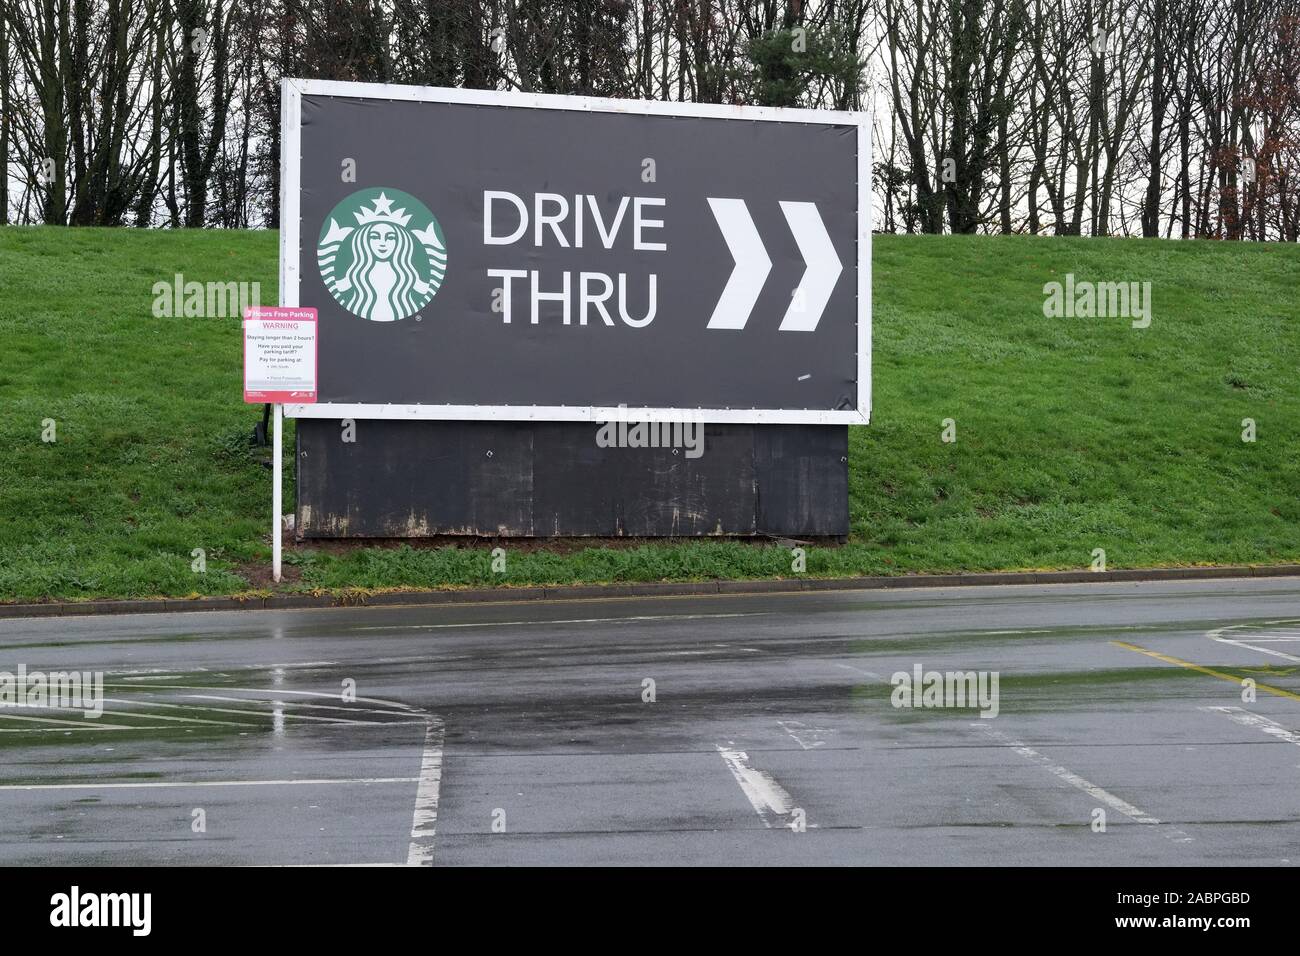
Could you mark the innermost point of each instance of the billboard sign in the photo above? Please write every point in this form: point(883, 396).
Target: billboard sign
point(493, 256)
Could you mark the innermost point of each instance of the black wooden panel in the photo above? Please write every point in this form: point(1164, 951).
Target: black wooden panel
point(526, 479)
point(802, 474)
point(582, 489)
point(414, 479)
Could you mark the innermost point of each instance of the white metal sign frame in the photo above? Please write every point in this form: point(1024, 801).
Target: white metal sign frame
point(292, 91)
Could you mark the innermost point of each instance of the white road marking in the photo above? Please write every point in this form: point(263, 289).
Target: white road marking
point(424, 823)
point(1094, 791)
point(293, 866)
point(424, 820)
point(178, 720)
point(300, 706)
point(1263, 650)
point(1259, 633)
point(576, 620)
point(813, 732)
point(1247, 719)
point(287, 715)
point(859, 670)
point(165, 784)
point(158, 703)
point(84, 723)
point(768, 798)
point(159, 673)
point(56, 730)
point(392, 708)
point(274, 692)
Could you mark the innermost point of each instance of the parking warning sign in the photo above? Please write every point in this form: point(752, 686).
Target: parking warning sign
point(279, 355)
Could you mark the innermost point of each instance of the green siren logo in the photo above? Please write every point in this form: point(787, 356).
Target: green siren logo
point(379, 262)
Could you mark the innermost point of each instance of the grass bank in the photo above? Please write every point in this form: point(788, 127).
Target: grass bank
point(1071, 434)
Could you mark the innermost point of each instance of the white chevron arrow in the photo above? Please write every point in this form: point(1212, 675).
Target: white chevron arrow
point(823, 267)
point(752, 264)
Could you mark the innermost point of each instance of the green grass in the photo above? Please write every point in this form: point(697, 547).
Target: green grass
point(1072, 434)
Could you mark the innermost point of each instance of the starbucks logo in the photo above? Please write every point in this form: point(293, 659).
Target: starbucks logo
point(379, 262)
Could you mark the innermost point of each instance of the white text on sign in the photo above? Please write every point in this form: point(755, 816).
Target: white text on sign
point(555, 219)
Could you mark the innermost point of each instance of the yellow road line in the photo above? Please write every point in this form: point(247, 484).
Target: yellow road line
point(1205, 670)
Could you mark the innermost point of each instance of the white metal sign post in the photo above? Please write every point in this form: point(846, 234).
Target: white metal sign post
point(279, 366)
point(277, 493)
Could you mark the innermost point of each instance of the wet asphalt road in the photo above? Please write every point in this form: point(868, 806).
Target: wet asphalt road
point(520, 733)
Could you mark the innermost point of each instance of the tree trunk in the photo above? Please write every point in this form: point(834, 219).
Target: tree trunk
point(4, 116)
point(1151, 207)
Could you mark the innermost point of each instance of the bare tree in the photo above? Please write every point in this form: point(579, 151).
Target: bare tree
point(1072, 117)
point(4, 113)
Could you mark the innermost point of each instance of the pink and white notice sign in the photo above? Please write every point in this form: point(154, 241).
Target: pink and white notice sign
point(279, 354)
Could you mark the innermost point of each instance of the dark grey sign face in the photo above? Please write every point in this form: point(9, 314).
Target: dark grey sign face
point(702, 263)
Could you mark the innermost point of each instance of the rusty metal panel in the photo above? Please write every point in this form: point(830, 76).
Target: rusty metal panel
point(551, 479)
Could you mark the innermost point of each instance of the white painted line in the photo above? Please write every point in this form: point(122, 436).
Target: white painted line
point(1247, 719)
point(85, 723)
point(165, 784)
point(576, 620)
point(1263, 650)
point(156, 703)
point(59, 730)
point(273, 691)
point(392, 708)
point(326, 866)
point(424, 823)
point(181, 720)
point(1257, 633)
point(159, 673)
point(424, 820)
point(1094, 791)
point(257, 713)
point(299, 706)
point(767, 797)
point(814, 732)
point(397, 709)
point(859, 670)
